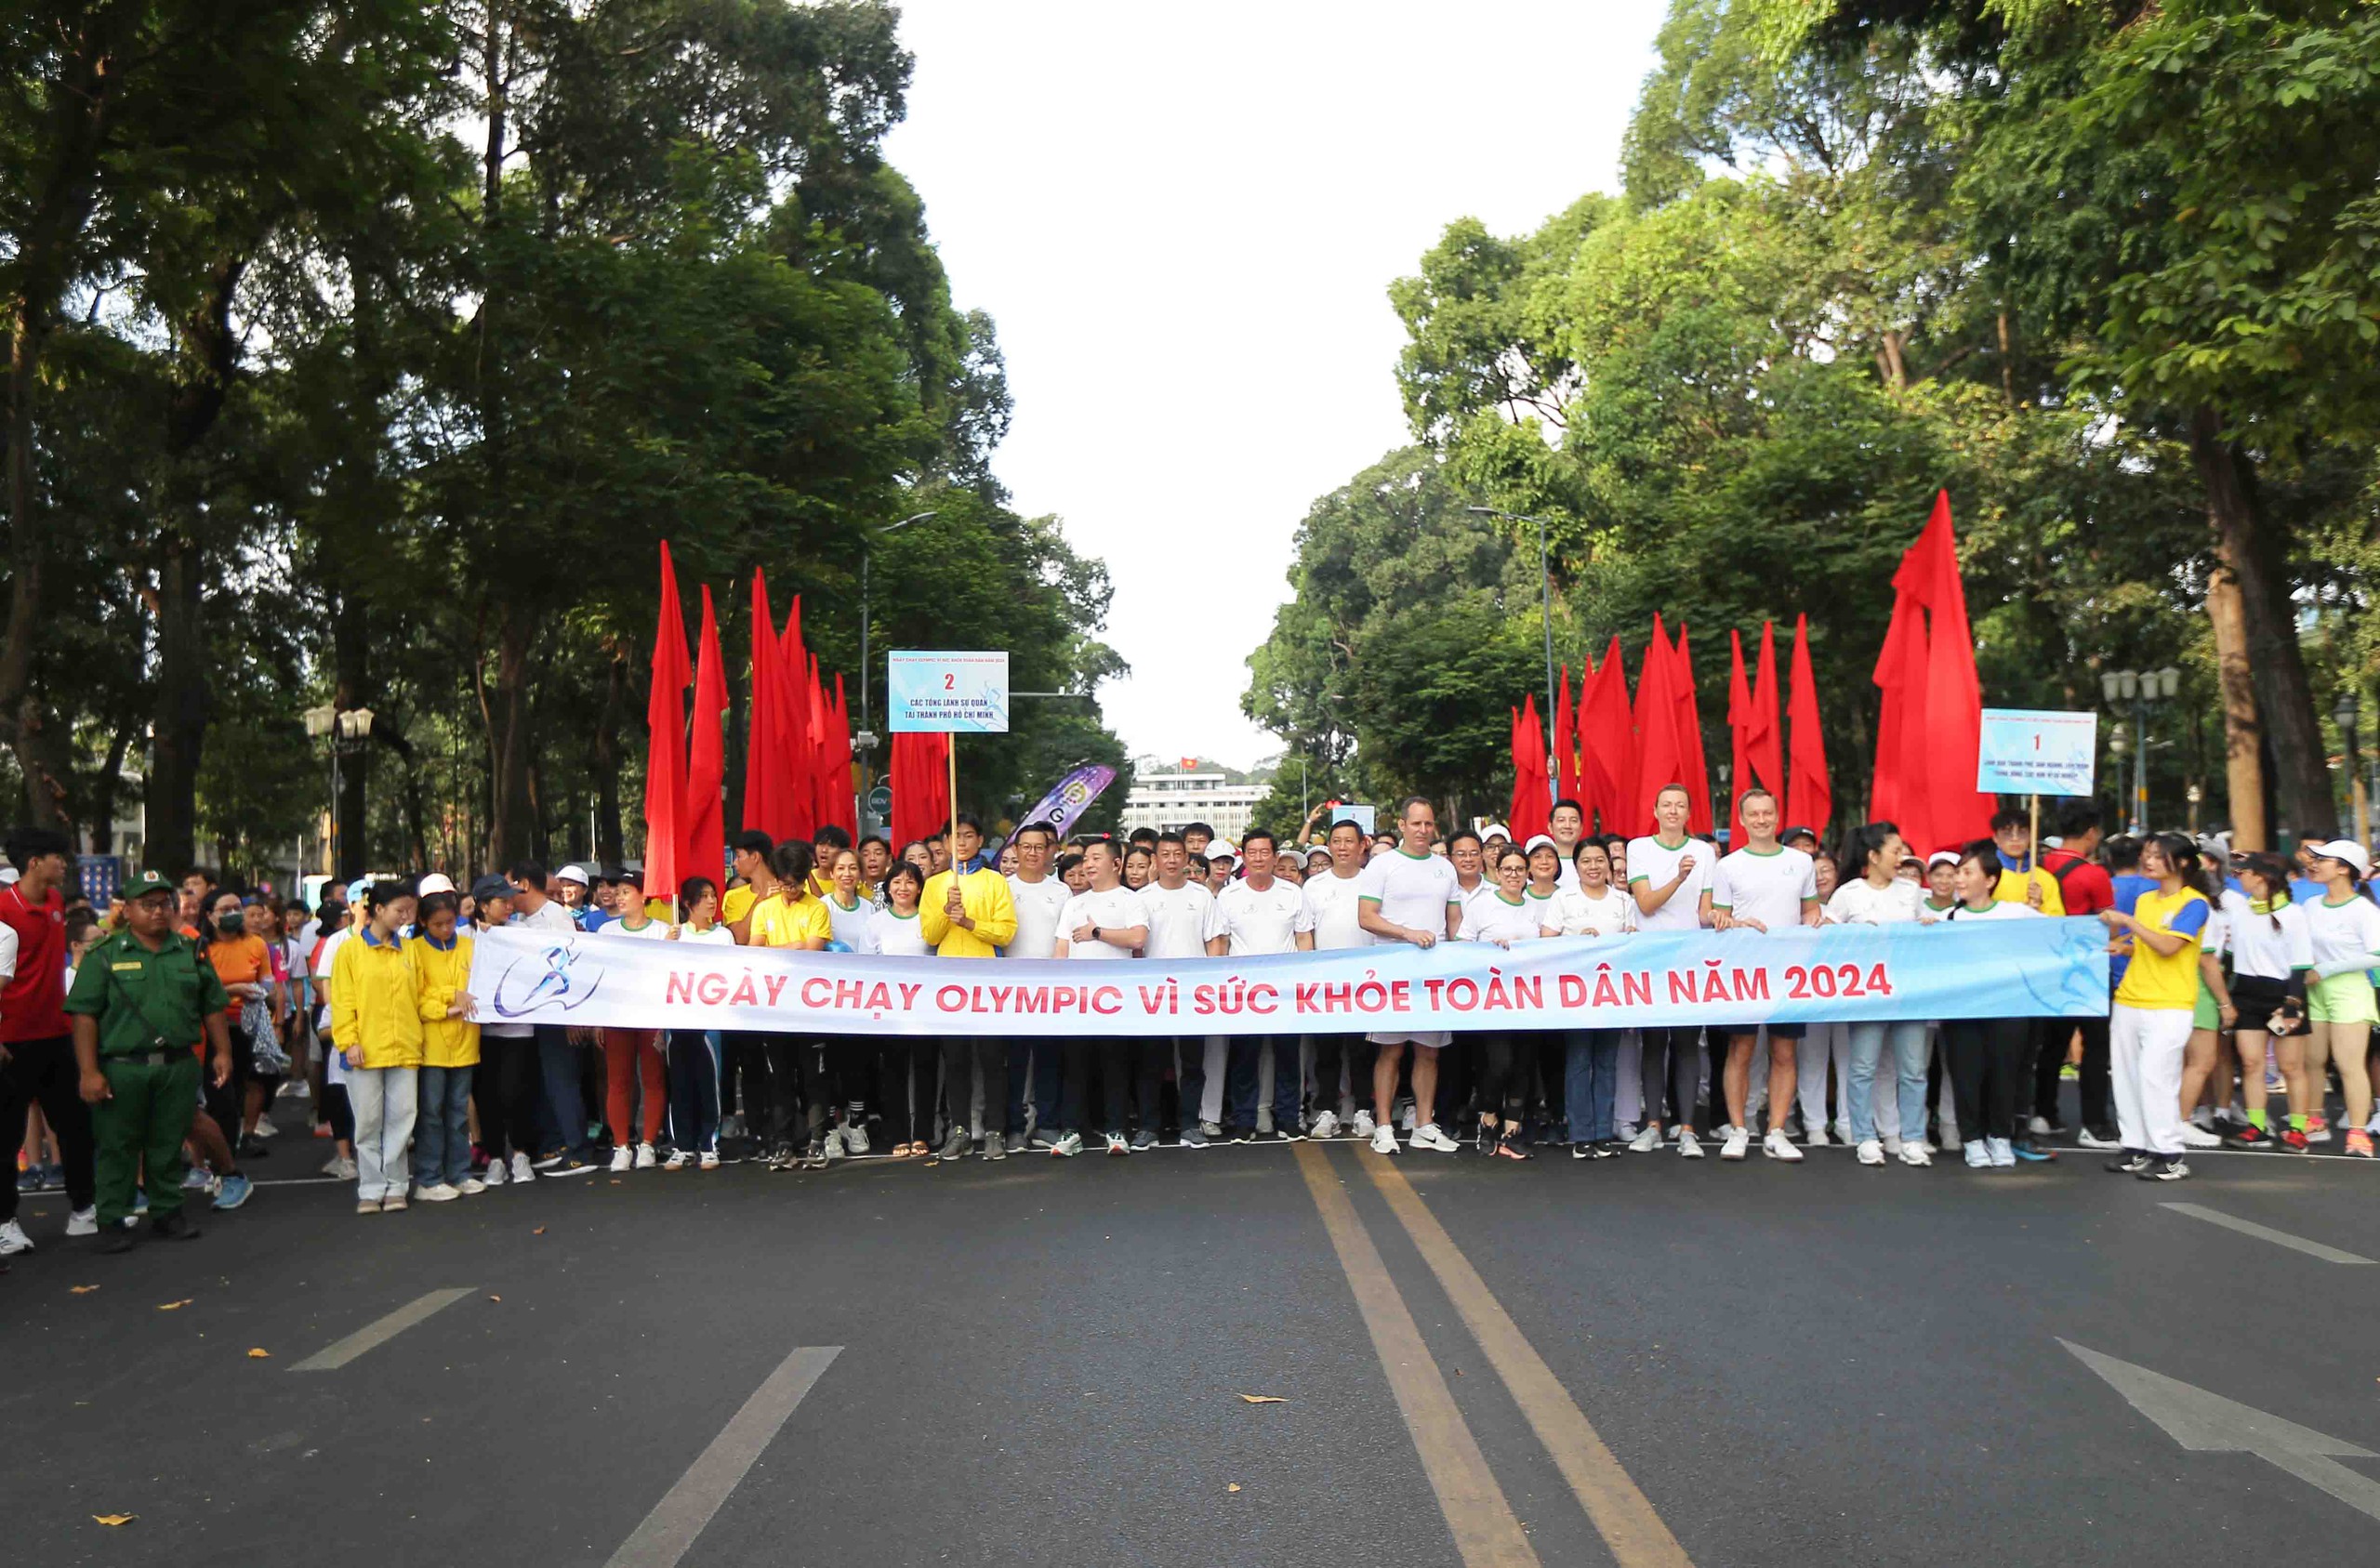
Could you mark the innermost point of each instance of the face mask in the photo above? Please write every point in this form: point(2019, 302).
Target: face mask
point(231, 925)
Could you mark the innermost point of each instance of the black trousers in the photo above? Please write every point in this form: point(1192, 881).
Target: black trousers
point(962, 1057)
point(1495, 1054)
point(1986, 1066)
point(784, 1055)
point(1112, 1061)
point(505, 1087)
point(1552, 1047)
point(2096, 1084)
point(1329, 1050)
point(42, 1072)
point(911, 1069)
point(1684, 1073)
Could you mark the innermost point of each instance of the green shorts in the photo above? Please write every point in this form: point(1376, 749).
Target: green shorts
point(2345, 998)
point(2207, 1015)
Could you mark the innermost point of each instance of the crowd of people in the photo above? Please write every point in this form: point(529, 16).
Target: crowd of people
point(144, 1046)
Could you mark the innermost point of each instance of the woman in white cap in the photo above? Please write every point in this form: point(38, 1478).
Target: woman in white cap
point(2344, 927)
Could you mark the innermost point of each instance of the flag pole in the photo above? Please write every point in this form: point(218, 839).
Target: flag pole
point(955, 872)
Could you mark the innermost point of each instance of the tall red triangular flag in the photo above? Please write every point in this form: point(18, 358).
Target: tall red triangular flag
point(665, 756)
point(920, 785)
point(1764, 740)
point(793, 727)
point(1607, 742)
point(1896, 793)
point(1696, 769)
point(1810, 794)
point(1566, 741)
point(1740, 723)
point(706, 759)
point(841, 799)
point(763, 747)
point(1529, 806)
point(1953, 732)
point(1658, 757)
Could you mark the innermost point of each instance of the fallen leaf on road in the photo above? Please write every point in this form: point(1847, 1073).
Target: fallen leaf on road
point(176, 1306)
point(1264, 1398)
point(539, 1231)
point(259, 1353)
point(495, 1297)
point(82, 1290)
point(616, 1182)
point(113, 1519)
point(1233, 1488)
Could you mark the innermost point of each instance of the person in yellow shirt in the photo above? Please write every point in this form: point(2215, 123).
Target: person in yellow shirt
point(450, 1052)
point(2022, 880)
point(757, 882)
point(790, 916)
point(2148, 1029)
point(375, 1023)
point(971, 915)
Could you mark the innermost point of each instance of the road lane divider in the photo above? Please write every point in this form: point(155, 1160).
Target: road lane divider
point(2265, 1233)
point(1486, 1532)
point(1619, 1508)
point(378, 1332)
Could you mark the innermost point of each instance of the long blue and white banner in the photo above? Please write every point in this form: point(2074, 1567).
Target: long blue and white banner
point(1987, 968)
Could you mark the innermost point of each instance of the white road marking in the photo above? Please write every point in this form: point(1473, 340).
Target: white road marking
point(337, 1353)
point(2265, 1232)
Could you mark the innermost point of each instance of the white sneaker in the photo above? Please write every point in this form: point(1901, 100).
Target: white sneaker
point(855, 1139)
point(678, 1160)
point(13, 1239)
point(645, 1158)
point(1686, 1145)
point(1384, 1140)
point(1724, 1131)
point(1978, 1154)
point(437, 1193)
point(341, 1167)
point(2203, 1117)
point(470, 1187)
point(2196, 1137)
point(1816, 1138)
point(1118, 1145)
point(264, 1128)
point(522, 1169)
point(1737, 1141)
point(1429, 1136)
point(1404, 1114)
point(1873, 1152)
point(1843, 1132)
point(1915, 1155)
point(1780, 1147)
point(1324, 1125)
point(2003, 1154)
point(494, 1175)
point(1892, 1143)
point(84, 1222)
point(622, 1158)
point(1645, 1142)
point(1363, 1126)
point(709, 1160)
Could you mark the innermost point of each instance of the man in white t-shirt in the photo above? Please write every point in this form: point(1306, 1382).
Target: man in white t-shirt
point(1763, 887)
point(1180, 911)
point(1409, 895)
point(1259, 914)
point(1566, 825)
point(1328, 922)
point(1668, 875)
point(1106, 921)
point(1033, 1059)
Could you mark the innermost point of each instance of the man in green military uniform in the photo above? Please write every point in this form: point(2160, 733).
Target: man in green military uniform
point(142, 997)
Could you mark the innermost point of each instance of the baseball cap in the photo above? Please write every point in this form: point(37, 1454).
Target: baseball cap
point(1792, 833)
point(1942, 857)
point(571, 873)
point(143, 885)
point(1495, 830)
point(488, 888)
point(357, 888)
point(436, 882)
point(1544, 838)
point(2351, 852)
point(1222, 849)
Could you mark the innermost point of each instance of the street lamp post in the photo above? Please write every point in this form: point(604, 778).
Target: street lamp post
point(1545, 589)
point(2349, 709)
point(347, 729)
point(866, 739)
point(2139, 688)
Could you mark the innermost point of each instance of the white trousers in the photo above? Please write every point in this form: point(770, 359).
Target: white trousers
point(2145, 1051)
point(382, 1099)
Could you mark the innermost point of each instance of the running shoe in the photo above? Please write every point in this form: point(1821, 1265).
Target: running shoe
point(573, 1166)
point(1067, 1147)
point(2004, 1153)
point(1582, 1150)
point(647, 1156)
point(341, 1167)
point(953, 1145)
point(1978, 1154)
point(1384, 1140)
point(1118, 1145)
point(1873, 1152)
point(995, 1146)
point(1818, 1135)
point(1688, 1145)
point(175, 1227)
point(814, 1157)
point(1324, 1125)
point(709, 1160)
point(2173, 1169)
point(1777, 1146)
point(830, 1148)
point(2045, 1127)
point(470, 1187)
point(2099, 1137)
point(84, 1222)
point(13, 1240)
point(2196, 1137)
point(197, 1180)
point(855, 1139)
point(678, 1160)
point(1509, 1146)
point(1193, 1136)
point(2359, 1143)
point(522, 1169)
point(2295, 1138)
point(393, 1204)
point(1915, 1155)
point(2249, 1136)
point(1278, 1136)
point(367, 1206)
point(2132, 1163)
point(494, 1174)
point(1431, 1136)
point(1737, 1144)
point(622, 1158)
point(231, 1192)
point(1044, 1137)
point(1362, 1127)
point(1645, 1142)
point(2318, 1129)
point(2028, 1151)
point(1892, 1143)
point(436, 1193)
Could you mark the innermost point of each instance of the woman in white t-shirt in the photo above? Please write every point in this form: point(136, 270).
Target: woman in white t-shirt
point(1595, 907)
point(915, 1062)
point(2272, 951)
point(1878, 897)
point(1544, 891)
point(694, 1053)
point(1985, 1055)
point(1504, 916)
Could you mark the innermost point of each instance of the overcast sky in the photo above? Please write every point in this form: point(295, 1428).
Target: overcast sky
point(1184, 221)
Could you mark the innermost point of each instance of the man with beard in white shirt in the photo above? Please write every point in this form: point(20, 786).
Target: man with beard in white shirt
point(1326, 923)
point(1180, 913)
point(1763, 887)
point(1107, 922)
point(1409, 895)
point(1259, 914)
point(1040, 898)
point(1669, 874)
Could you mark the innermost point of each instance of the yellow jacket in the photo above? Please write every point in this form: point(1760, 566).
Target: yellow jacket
point(984, 895)
point(439, 973)
point(375, 1007)
point(2011, 889)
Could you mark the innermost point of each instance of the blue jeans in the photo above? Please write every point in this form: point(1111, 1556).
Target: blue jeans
point(558, 1063)
point(1908, 1040)
point(693, 1090)
point(441, 1128)
point(1590, 1076)
point(1243, 1076)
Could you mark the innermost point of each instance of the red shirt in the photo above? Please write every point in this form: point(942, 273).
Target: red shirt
point(32, 1002)
point(2085, 885)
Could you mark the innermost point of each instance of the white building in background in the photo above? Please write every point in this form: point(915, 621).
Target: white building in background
point(1163, 801)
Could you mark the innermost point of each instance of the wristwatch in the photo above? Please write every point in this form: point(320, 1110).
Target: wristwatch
point(1094, 933)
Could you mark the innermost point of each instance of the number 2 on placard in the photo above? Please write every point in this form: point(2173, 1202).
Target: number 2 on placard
point(950, 682)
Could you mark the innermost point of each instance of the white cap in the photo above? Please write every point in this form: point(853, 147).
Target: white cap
point(1942, 857)
point(1222, 849)
point(1495, 830)
point(571, 873)
point(436, 882)
point(1544, 838)
point(2351, 852)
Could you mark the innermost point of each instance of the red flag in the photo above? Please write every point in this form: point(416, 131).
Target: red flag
point(842, 799)
point(1896, 793)
point(763, 747)
point(1529, 804)
point(706, 759)
point(1697, 770)
point(793, 727)
point(1658, 757)
point(1810, 794)
point(665, 757)
point(1765, 741)
point(1739, 725)
point(1607, 742)
point(921, 780)
point(1566, 740)
point(1953, 735)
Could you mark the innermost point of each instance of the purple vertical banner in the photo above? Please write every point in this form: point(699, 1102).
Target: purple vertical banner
point(1066, 803)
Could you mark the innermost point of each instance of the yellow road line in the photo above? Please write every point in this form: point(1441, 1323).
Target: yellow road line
point(1485, 1530)
point(1623, 1514)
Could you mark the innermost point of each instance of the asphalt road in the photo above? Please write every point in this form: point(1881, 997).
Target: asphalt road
point(1042, 1360)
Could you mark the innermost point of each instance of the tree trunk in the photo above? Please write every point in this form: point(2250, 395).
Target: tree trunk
point(2243, 768)
point(608, 848)
point(2248, 553)
point(350, 686)
point(99, 825)
point(177, 721)
point(2007, 358)
point(511, 815)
